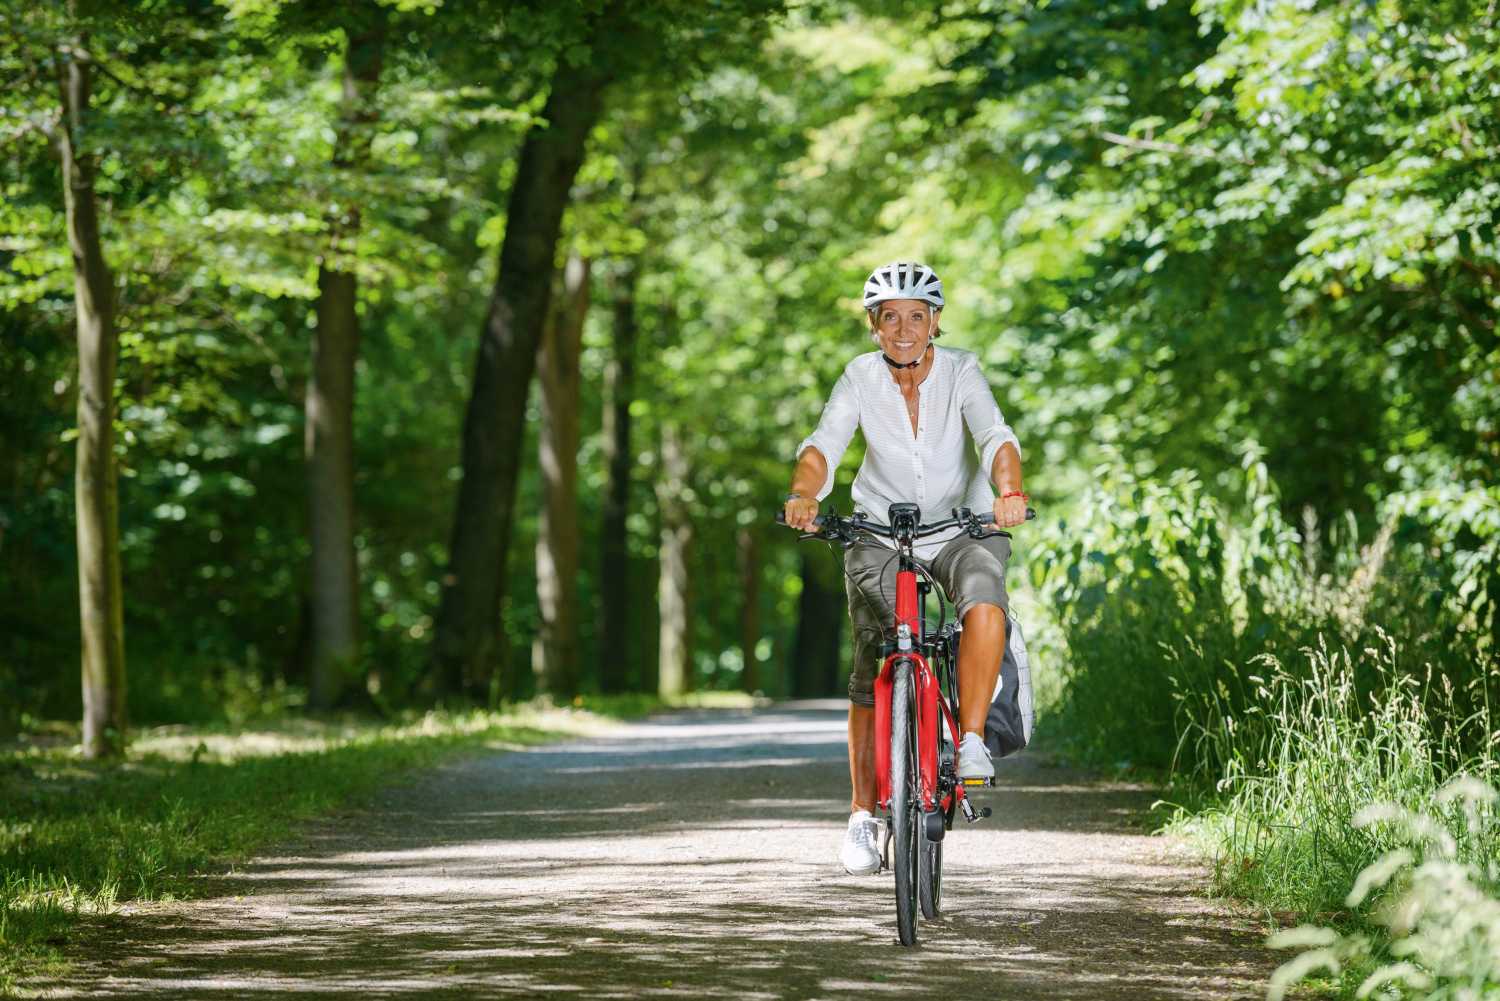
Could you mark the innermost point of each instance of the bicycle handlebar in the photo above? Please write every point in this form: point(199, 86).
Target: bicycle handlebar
point(961, 518)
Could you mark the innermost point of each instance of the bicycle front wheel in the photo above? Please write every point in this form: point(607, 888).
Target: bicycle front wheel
point(904, 803)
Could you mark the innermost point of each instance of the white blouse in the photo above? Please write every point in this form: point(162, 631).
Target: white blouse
point(936, 467)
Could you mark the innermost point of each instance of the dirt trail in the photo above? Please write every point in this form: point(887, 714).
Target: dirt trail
point(692, 856)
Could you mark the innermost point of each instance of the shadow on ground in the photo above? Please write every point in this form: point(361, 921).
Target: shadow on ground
point(692, 855)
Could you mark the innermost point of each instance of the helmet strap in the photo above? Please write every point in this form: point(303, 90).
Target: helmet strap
point(893, 363)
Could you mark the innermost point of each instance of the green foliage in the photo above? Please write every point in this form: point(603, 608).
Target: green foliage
point(1286, 680)
point(1168, 230)
point(1239, 221)
point(1160, 596)
point(215, 265)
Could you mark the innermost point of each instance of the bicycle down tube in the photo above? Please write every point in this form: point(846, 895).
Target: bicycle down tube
point(910, 641)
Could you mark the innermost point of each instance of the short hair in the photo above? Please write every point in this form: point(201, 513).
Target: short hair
point(870, 316)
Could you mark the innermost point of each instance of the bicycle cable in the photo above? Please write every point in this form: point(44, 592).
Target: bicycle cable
point(889, 611)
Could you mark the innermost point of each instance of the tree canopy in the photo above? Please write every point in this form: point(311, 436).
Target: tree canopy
point(1182, 239)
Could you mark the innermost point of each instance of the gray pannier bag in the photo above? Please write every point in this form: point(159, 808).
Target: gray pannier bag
point(1007, 729)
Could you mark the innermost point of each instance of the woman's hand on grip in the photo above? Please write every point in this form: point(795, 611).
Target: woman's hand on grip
point(1010, 511)
point(800, 513)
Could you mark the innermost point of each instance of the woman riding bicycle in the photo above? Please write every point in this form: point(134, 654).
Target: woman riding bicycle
point(934, 437)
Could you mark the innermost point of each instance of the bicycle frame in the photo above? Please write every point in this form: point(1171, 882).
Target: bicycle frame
point(932, 708)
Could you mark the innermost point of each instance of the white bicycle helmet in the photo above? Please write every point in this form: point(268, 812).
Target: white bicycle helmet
point(903, 280)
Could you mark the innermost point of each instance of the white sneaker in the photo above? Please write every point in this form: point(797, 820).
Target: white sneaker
point(861, 853)
point(974, 758)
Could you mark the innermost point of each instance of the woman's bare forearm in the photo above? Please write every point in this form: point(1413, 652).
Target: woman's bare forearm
point(811, 473)
point(1006, 474)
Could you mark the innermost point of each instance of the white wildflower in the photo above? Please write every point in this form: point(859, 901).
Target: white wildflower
point(1302, 937)
point(1468, 788)
point(1377, 874)
point(1294, 970)
point(1408, 974)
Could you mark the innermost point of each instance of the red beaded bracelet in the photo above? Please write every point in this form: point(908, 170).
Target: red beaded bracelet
point(1016, 493)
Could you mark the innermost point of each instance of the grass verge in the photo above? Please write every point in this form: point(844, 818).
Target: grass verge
point(79, 837)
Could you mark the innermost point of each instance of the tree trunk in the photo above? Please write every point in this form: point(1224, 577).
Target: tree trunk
point(329, 428)
point(96, 486)
point(815, 664)
point(674, 647)
point(468, 613)
point(555, 657)
point(748, 545)
point(614, 577)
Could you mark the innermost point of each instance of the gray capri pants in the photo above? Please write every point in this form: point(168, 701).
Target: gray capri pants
point(971, 572)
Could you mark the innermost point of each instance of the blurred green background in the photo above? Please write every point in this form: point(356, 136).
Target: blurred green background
point(1228, 258)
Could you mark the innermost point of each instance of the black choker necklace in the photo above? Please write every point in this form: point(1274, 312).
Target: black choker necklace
point(911, 364)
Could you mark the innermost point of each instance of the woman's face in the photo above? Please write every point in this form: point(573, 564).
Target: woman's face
point(903, 327)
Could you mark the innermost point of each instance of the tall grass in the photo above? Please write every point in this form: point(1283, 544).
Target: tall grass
point(1324, 742)
point(1286, 676)
point(1433, 901)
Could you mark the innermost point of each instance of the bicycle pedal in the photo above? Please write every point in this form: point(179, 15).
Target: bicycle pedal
point(979, 783)
point(972, 815)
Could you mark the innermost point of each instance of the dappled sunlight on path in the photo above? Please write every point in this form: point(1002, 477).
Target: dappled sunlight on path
point(689, 856)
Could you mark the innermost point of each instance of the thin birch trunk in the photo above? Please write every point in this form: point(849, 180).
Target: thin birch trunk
point(96, 487)
point(820, 617)
point(614, 577)
point(329, 428)
point(674, 646)
point(748, 547)
point(555, 654)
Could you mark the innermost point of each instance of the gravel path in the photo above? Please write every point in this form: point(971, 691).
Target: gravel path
point(693, 856)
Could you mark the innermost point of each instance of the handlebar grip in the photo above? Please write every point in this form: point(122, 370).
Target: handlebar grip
point(781, 519)
point(988, 518)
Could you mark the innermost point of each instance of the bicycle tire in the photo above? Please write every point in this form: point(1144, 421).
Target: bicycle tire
point(904, 809)
point(930, 876)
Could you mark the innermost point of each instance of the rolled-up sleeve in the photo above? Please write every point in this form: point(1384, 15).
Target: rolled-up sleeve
point(835, 428)
point(982, 415)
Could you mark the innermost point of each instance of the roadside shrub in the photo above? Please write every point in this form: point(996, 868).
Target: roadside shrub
point(1158, 598)
point(1168, 603)
point(1285, 676)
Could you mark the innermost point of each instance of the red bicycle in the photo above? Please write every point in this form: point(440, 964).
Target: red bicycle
point(916, 712)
